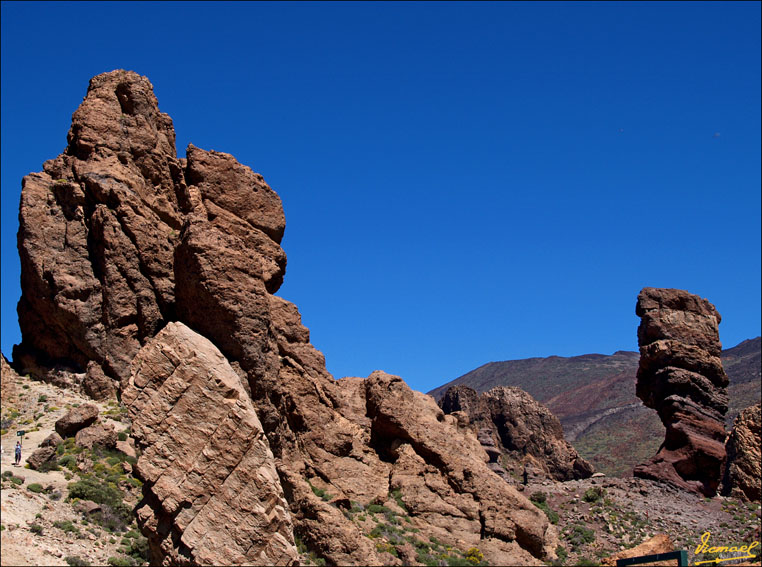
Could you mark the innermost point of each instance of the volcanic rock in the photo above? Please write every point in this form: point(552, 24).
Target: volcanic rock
point(246, 439)
point(76, 419)
point(212, 495)
point(96, 434)
point(97, 229)
point(509, 422)
point(52, 440)
point(681, 376)
point(7, 380)
point(744, 470)
point(660, 543)
point(41, 456)
point(96, 384)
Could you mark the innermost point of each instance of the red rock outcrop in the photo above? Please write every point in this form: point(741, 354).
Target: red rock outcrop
point(97, 231)
point(744, 466)
point(509, 422)
point(132, 262)
point(681, 376)
point(213, 495)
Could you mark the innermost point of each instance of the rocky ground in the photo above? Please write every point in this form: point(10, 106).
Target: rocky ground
point(598, 517)
point(40, 524)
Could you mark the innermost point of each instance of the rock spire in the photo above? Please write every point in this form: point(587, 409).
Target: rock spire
point(680, 375)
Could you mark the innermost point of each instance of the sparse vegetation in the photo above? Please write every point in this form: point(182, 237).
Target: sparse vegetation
point(320, 493)
point(539, 499)
point(66, 526)
point(35, 487)
point(593, 494)
point(76, 561)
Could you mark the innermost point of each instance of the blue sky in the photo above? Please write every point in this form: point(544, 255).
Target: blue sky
point(462, 182)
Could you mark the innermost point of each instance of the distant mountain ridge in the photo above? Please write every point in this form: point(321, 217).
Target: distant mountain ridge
point(593, 395)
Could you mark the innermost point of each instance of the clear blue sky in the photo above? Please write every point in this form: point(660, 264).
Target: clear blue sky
point(463, 182)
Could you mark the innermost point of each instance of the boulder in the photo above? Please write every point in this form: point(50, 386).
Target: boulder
point(76, 419)
point(212, 494)
point(126, 448)
point(660, 543)
point(52, 440)
point(680, 375)
point(87, 507)
point(743, 470)
point(42, 456)
point(97, 434)
point(96, 384)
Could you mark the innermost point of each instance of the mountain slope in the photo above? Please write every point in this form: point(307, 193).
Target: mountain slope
point(593, 395)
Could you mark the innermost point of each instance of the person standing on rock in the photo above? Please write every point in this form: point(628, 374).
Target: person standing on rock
point(18, 453)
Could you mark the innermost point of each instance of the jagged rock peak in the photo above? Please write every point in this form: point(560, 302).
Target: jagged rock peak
point(100, 225)
point(680, 375)
point(508, 421)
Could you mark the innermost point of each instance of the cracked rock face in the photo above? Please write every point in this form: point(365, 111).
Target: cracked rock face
point(509, 422)
point(681, 376)
point(213, 495)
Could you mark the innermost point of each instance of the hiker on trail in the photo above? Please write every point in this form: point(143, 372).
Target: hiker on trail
point(18, 453)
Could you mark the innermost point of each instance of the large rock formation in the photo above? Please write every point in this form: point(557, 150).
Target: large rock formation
point(681, 376)
point(509, 422)
point(744, 467)
point(159, 273)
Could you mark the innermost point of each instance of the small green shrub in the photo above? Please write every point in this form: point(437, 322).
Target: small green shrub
point(76, 561)
point(16, 480)
point(122, 436)
point(68, 461)
point(120, 561)
point(593, 494)
point(48, 466)
point(89, 489)
point(36, 529)
point(35, 487)
point(562, 553)
point(42, 398)
point(538, 497)
point(66, 526)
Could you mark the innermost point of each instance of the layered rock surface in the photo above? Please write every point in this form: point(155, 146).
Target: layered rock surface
point(213, 493)
point(509, 422)
point(680, 375)
point(158, 274)
point(744, 466)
